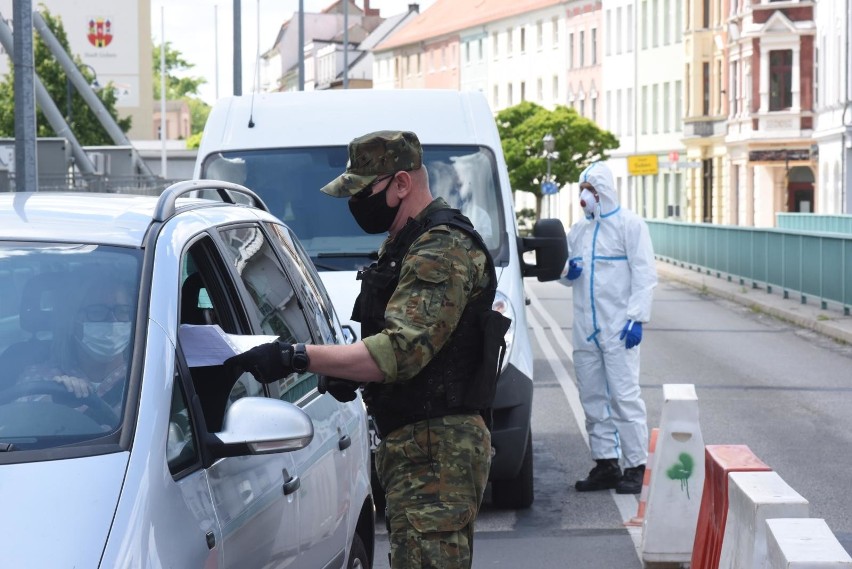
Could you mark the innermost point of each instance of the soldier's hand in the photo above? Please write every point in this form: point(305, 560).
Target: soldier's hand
point(266, 362)
point(341, 389)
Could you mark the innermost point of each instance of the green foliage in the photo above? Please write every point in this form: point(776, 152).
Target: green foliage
point(578, 140)
point(526, 220)
point(176, 87)
point(198, 110)
point(194, 140)
point(83, 122)
point(185, 88)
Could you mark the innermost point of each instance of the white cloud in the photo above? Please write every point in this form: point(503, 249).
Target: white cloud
point(202, 31)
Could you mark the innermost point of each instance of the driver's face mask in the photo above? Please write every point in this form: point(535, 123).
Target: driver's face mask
point(105, 340)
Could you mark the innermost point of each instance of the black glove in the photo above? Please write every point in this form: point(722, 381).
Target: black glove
point(341, 389)
point(266, 362)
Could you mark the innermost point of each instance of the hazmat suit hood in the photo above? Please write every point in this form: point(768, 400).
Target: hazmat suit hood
point(599, 175)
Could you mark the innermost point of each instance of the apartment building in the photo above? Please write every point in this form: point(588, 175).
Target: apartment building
point(833, 107)
point(745, 104)
point(771, 111)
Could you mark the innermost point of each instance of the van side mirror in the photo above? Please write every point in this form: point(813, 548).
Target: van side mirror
point(550, 247)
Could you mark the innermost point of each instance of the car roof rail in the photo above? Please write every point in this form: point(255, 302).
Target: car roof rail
point(166, 204)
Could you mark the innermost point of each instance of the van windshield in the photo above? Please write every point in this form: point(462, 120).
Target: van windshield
point(288, 180)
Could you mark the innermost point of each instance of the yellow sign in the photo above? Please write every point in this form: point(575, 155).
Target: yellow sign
point(642, 165)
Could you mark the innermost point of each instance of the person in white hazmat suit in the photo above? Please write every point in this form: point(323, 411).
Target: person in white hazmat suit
point(612, 271)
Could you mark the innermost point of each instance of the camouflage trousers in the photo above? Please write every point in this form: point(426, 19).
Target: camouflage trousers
point(432, 504)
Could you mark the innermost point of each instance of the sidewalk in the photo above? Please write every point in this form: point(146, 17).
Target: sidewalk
point(832, 322)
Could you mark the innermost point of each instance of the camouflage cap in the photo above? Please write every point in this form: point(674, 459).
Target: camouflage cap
point(373, 155)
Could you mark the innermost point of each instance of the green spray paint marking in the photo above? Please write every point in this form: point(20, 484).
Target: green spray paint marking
point(682, 470)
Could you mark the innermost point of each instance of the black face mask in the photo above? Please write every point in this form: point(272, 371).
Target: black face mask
point(373, 213)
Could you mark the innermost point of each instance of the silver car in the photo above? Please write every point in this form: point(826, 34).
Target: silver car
point(124, 441)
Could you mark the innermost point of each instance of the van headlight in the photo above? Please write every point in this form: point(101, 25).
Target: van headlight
point(504, 306)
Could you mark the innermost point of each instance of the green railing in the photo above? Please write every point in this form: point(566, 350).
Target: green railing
point(814, 222)
point(816, 266)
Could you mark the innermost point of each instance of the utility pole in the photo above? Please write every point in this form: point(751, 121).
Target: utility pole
point(163, 117)
point(238, 52)
point(301, 46)
point(345, 44)
point(26, 157)
point(216, 51)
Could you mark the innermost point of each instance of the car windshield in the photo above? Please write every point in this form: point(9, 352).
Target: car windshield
point(289, 180)
point(67, 315)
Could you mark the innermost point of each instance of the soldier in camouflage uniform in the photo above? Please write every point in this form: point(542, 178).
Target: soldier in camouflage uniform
point(421, 309)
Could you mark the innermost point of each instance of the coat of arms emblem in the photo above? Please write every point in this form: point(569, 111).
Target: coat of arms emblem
point(100, 32)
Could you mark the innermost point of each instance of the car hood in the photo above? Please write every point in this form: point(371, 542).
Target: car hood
point(57, 513)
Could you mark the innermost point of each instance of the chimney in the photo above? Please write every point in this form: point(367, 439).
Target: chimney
point(370, 11)
point(413, 8)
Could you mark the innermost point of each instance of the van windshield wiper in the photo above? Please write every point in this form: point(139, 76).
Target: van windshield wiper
point(374, 255)
point(7, 447)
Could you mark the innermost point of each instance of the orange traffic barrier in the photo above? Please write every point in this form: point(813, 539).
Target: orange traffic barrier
point(639, 518)
point(720, 460)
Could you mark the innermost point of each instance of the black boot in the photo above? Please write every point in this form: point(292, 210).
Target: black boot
point(604, 476)
point(631, 482)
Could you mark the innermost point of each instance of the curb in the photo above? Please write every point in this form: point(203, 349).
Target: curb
point(839, 328)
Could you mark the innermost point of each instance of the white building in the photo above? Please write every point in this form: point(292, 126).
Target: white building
point(647, 92)
point(833, 125)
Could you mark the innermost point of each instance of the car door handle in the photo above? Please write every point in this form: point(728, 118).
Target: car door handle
point(344, 442)
point(292, 483)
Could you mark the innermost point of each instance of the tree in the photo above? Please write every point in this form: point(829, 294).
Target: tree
point(177, 88)
point(83, 122)
point(578, 140)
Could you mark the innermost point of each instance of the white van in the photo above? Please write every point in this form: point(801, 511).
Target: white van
point(286, 146)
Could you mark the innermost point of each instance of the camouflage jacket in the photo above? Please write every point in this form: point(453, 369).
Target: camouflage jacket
point(442, 272)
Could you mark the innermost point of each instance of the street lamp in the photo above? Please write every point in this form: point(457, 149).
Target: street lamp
point(549, 187)
point(549, 145)
point(69, 89)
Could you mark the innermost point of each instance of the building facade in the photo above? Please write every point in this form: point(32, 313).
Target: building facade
point(114, 40)
point(771, 117)
point(743, 104)
point(833, 107)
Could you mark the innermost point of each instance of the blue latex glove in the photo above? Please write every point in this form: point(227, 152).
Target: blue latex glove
point(574, 270)
point(633, 333)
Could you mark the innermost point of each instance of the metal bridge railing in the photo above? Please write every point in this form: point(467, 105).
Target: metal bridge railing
point(132, 184)
point(815, 266)
point(822, 223)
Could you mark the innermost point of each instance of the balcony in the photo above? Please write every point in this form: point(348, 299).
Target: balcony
point(705, 128)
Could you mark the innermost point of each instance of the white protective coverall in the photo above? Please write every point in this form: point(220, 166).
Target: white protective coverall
point(616, 285)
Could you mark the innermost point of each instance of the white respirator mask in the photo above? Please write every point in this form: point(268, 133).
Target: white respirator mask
point(588, 201)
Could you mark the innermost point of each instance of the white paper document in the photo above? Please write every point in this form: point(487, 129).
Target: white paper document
point(209, 345)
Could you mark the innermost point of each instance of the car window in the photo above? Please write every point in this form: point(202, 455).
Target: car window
point(272, 299)
point(317, 299)
point(207, 298)
point(67, 320)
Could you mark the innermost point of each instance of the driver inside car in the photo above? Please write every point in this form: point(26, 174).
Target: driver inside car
point(88, 355)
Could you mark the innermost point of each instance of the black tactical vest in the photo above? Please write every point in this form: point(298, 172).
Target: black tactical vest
point(444, 386)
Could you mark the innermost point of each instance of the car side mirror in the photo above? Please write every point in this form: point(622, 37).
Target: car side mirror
point(260, 425)
point(550, 247)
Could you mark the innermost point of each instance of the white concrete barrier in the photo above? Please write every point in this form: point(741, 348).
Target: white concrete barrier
point(804, 543)
point(754, 497)
point(677, 479)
